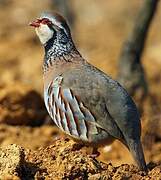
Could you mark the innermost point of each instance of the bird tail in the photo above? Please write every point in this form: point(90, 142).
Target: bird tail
point(136, 149)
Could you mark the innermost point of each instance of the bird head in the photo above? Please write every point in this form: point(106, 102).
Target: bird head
point(51, 26)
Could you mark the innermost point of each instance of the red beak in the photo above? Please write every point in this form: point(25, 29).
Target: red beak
point(35, 23)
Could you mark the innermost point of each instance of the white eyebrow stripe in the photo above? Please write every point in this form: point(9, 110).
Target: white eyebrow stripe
point(57, 23)
point(53, 20)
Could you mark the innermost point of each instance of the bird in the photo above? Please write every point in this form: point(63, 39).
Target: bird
point(83, 101)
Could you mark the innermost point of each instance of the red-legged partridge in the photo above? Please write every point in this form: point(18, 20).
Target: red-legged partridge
point(83, 101)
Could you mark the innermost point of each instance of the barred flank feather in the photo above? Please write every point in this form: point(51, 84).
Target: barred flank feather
point(68, 113)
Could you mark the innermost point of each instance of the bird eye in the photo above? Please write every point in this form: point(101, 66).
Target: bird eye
point(46, 21)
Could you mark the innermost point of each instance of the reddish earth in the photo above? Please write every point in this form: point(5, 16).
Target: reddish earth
point(65, 159)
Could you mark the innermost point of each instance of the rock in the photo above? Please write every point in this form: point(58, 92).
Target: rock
point(11, 161)
point(21, 105)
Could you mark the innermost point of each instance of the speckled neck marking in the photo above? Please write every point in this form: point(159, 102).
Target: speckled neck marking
point(59, 48)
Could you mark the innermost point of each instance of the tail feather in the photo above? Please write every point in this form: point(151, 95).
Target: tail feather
point(136, 149)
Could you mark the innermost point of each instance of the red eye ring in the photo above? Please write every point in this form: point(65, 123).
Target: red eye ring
point(46, 21)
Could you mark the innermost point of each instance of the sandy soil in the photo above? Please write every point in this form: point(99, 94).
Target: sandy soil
point(64, 159)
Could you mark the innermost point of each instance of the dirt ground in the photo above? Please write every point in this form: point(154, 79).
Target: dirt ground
point(65, 159)
point(39, 150)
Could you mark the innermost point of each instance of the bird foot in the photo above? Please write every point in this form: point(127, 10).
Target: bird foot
point(94, 154)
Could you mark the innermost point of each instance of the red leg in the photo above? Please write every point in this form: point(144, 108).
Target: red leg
point(95, 153)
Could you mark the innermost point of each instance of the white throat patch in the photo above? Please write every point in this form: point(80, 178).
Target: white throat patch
point(44, 33)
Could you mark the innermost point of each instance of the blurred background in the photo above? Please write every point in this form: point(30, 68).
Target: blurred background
point(99, 29)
